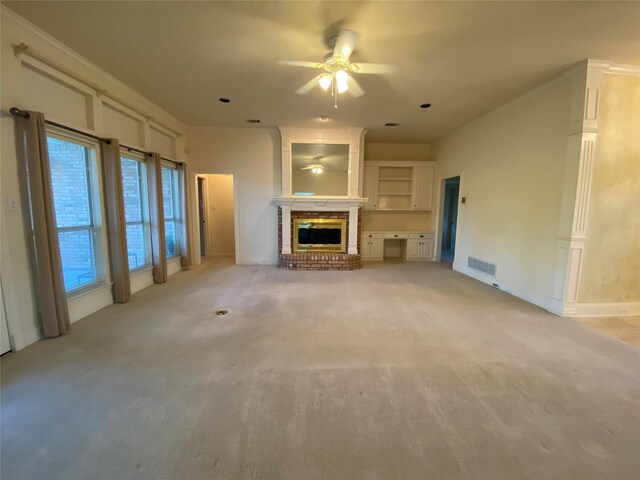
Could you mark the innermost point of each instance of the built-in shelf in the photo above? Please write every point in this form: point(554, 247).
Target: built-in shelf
point(394, 185)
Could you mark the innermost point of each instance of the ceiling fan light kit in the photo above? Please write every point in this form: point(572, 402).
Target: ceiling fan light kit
point(338, 70)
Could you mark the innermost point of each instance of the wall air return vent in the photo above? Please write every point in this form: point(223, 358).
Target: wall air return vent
point(482, 266)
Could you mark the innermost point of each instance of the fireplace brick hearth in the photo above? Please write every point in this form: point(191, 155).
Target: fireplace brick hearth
point(318, 260)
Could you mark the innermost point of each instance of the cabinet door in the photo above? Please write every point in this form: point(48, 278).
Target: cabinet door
point(365, 248)
point(377, 248)
point(413, 248)
point(428, 248)
point(422, 187)
point(370, 187)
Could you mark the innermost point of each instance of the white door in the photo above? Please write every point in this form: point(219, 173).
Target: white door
point(5, 346)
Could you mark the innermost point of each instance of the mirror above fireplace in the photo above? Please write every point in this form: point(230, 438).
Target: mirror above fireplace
point(321, 163)
point(319, 169)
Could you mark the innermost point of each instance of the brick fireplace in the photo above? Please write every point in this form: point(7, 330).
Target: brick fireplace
point(301, 260)
point(338, 203)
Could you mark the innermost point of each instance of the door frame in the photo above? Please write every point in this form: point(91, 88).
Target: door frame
point(202, 180)
point(236, 214)
point(205, 206)
point(440, 216)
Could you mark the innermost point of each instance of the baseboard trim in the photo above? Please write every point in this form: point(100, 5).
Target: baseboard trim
point(537, 300)
point(621, 309)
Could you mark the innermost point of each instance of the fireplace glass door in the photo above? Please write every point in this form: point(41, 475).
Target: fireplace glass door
point(319, 235)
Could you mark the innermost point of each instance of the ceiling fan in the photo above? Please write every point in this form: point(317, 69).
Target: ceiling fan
point(316, 168)
point(338, 70)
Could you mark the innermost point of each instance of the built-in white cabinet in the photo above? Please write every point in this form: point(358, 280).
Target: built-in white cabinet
point(372, 246)
point(422, 191)
point(419, 246)
point(401, 186)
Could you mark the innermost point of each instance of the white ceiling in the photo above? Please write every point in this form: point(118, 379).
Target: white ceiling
point(463, 58)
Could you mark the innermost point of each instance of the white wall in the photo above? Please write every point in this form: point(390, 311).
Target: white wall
point(511, 163)
point(252, 155)
point(66, 88)
point(220, 223)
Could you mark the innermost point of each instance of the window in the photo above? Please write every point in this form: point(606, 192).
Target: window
point(77, 202)
point(171, 209)
point(136, 211)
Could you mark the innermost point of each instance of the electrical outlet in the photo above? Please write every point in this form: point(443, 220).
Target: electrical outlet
point(13, 205)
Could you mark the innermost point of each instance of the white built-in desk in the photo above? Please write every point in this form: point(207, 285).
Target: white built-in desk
point(419, 245)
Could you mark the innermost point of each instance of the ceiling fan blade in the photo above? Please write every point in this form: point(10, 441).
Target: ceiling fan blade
point(295, 63)
point(374, 68)
point(307, 87)
point(354, 87)
point(345, 44)
point(308, 168)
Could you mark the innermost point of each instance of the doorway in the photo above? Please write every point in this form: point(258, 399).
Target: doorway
point(450, 219)
point(216, 212)
point(202, 215)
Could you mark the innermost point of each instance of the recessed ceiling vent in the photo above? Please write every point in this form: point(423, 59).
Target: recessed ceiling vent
point(482, 266)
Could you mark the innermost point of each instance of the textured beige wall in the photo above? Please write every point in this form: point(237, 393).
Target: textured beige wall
point(611, 265)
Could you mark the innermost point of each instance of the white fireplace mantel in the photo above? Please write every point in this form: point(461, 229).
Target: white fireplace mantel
point(320, 204)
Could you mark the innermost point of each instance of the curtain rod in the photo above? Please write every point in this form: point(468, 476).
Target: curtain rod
point(144, 152)
point(171, 160)
point(21, 113)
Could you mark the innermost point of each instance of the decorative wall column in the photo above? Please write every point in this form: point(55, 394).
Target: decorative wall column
point(286, 229)
point(285, 133)
point(572, 231)
point(353, 230)
point(355, 135)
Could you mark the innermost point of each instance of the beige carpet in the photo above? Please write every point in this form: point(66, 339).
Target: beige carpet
point(396, 371)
